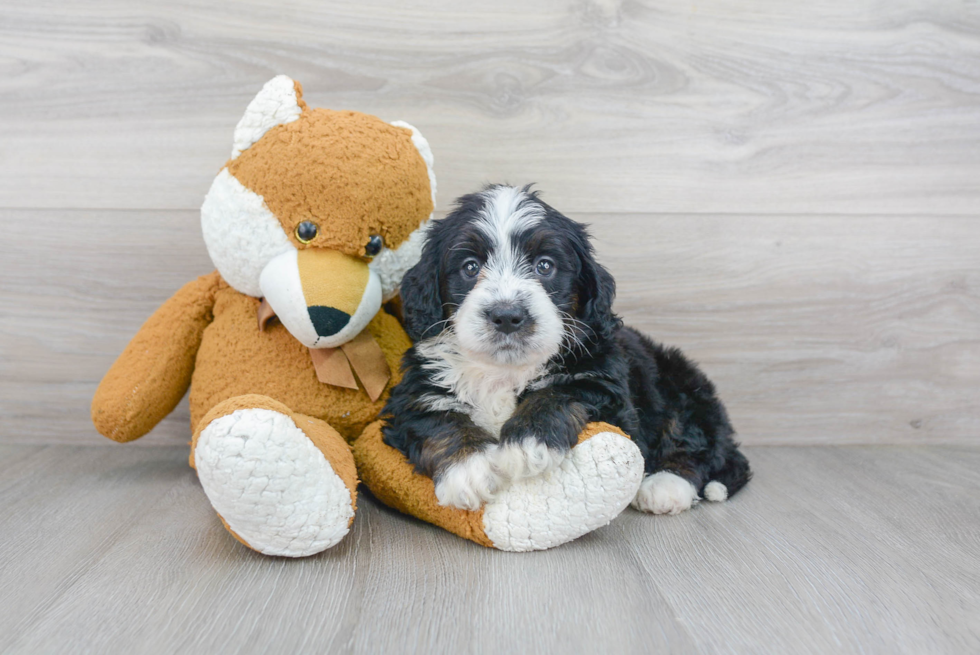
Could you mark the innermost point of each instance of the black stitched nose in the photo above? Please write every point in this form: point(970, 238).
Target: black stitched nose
point(507, 317)
point(328, 321)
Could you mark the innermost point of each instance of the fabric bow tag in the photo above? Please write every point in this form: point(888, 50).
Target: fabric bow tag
point(333, 365)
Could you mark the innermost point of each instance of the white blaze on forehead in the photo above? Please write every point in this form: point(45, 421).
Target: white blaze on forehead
point(503, 217)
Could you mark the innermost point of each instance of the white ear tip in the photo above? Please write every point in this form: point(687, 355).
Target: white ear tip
point(275, 104)
point(422, 145)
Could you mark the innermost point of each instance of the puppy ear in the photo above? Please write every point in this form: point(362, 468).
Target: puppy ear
point(421, 295)
point(597, 290)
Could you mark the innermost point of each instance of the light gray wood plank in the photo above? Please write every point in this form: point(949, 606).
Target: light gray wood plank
point(180, 582)
point(61, 509)
point(816, 329)
point(851, 107)
point(11, 457)
point(828, 550)
point(445, 595)
point(831, 549)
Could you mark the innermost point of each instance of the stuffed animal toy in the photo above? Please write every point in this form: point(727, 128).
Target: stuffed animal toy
point(289, 348)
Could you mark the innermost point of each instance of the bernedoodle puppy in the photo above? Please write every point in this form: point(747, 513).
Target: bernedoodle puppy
point(517, 348)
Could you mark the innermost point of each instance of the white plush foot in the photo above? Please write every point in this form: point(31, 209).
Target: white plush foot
point(665, 493)
point(591, 486)
point(273, 487)
point(716, 492)
point(526, 459)
point(468, 484)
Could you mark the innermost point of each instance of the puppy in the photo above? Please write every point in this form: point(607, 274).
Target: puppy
point(517, 348)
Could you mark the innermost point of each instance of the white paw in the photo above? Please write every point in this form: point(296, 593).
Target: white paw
point(716, 492)
point(468, 484)
point(665, 493)
point(272, 486)
point(526, 460)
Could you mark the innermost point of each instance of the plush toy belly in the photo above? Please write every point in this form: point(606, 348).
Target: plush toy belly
point(237, 358)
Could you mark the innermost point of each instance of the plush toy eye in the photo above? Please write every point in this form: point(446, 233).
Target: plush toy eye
point(545, 267)
point(306, 231)
point(470, 267)
point(374, 245)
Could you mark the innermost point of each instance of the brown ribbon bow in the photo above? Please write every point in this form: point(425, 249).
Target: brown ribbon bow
point(333, 365)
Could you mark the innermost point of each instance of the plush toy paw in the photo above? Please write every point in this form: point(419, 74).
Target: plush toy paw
point(665, 493)
point(591, 486)
point(271, 484)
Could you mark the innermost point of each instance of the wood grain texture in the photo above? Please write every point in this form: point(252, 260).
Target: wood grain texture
point(816, 329)
point(831, 549)
point(836, 107)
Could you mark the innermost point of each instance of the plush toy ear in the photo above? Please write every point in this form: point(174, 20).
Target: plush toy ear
point(279, 102)
point(422, 146)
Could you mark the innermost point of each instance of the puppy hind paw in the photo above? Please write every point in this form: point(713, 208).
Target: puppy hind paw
point(527, 459)
point(716, 492)
point(468, 484)
point(665, 493)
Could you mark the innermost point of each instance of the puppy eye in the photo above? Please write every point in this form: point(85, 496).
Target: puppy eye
point(470, 268)
point(306, 232)
point(374, 245)
point(545, 267)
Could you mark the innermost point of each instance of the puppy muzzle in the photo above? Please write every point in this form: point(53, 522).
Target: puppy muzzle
point(323, 297)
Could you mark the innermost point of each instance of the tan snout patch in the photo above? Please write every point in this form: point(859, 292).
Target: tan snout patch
point(332, 279)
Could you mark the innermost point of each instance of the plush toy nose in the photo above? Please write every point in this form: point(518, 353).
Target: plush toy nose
point(328, 321)
point(333, 285)
point(323, 297)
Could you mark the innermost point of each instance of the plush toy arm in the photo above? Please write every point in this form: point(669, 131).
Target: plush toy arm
point(597, 480)
point(153, 372)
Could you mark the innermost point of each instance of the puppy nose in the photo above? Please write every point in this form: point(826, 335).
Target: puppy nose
point(507, 317)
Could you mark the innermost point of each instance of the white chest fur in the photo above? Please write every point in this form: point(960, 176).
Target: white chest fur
point(484, 391)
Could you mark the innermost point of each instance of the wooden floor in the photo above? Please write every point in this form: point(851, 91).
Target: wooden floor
point(828, 550)
point(788, 191)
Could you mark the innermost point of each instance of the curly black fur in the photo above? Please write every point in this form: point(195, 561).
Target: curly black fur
point(607, 372)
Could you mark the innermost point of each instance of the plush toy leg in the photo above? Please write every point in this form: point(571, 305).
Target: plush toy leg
point(597, 480)
point(282, 483)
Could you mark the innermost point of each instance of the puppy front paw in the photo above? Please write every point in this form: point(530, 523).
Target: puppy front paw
point(469, 483)
point(665, 493)
point(527, 458)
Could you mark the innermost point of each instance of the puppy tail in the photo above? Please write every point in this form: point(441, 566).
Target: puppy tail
point(730, 478)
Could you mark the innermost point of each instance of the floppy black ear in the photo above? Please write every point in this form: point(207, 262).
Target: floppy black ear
point(421, 294)
point(597, 290)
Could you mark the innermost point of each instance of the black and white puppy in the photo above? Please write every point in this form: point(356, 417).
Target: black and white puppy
point(517, 348)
